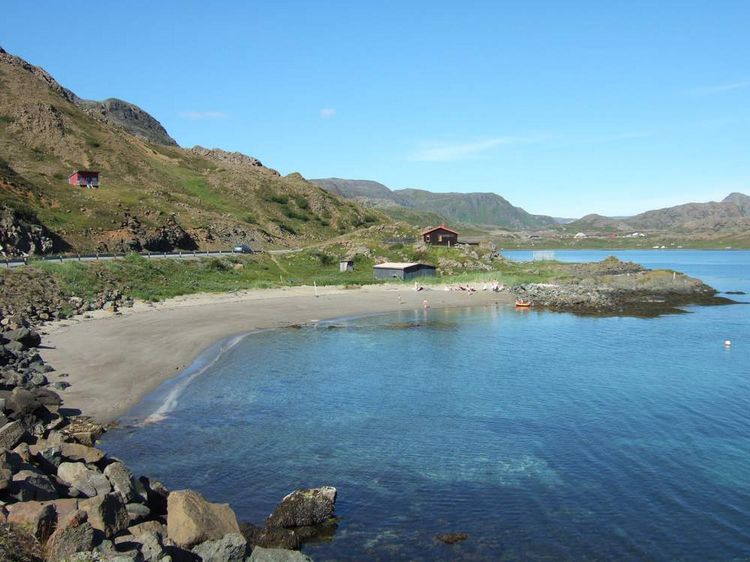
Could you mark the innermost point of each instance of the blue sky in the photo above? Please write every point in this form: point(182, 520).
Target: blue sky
point(564, 108)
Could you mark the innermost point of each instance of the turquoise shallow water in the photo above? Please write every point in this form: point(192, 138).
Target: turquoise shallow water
point(544, 436)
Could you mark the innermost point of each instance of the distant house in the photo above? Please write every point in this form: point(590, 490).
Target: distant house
point(580, 235)
point(84, 178)
point(441, 235)
point(403, 271)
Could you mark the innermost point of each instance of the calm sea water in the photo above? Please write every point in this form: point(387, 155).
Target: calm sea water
point(544, 436)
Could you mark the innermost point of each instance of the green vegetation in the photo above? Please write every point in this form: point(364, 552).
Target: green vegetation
point(153, 279)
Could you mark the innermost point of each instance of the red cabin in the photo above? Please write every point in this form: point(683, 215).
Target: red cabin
point(84, 178)
point(441, 235)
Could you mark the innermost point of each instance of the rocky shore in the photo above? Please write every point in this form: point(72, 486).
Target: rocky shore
point(613, 288)
point(62, 499)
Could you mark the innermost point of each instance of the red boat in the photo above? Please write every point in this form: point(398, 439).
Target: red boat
point(523, 304)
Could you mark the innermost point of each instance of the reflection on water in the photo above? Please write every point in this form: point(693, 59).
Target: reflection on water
point(541, 435)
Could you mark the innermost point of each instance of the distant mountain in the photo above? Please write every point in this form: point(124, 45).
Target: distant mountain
point(474, 208)
point(739, 199)
point(367, 191)
point(598, 223)
point(563, 220)
point(732, 214)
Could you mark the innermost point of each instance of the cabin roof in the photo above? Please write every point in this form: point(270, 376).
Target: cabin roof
point(399, 265)
point(84, 172)
point(441, 227)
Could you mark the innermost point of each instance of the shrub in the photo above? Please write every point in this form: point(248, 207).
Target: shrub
point(278, 199)
point(323, 258)
point(294, 215)
point(302, 203)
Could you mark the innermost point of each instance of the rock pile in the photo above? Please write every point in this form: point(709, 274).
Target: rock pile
point(77, 503)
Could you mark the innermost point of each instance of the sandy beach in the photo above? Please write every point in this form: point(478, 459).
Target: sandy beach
point(114, 360)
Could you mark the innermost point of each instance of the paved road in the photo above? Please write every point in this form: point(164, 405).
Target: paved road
point(20, 262)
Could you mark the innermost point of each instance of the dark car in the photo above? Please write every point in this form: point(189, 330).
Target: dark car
point(242, 249)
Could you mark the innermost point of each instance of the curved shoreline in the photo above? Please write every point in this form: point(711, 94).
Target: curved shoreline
point(115, 361)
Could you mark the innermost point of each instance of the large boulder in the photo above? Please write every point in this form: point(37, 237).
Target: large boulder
point(37, 518)
point(106, 513)
point(192, 520)
point(152, 548)
point(11, 434)
point(148, 527)
point(261, 554)
point(64, 506)
point(26, 336)
point(31, 485)
point(89, 482)
point(73, 534)
point(304, 507)
point(81, 453)
point(21, 402)
point(137, 512)
point(230, 548)
point(271, 537)
point(48, 398)
point(122, 480)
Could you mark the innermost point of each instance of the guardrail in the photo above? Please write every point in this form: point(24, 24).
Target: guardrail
point(18, 262)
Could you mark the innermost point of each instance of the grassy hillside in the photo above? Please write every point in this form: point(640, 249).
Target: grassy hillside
point(149, 191)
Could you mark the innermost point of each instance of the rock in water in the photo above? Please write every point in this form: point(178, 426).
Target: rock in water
point(192, 520)
point(231, 548)
point(304, 507)
point(261, 554)
point(452, 538)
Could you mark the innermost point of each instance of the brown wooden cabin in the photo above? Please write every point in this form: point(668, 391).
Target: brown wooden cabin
point(441, 235)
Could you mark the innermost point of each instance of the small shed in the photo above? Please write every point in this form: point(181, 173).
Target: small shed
point(346, 265)
point(403, 271)
point(84, 178)
point(440, 235)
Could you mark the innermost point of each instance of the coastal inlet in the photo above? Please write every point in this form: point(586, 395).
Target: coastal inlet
point(538, 435)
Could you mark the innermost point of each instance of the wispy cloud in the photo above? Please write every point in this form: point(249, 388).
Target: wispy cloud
point(327, 112)
point(449, 152)
point(197, 115)
point(722, 88)
point(573, 140)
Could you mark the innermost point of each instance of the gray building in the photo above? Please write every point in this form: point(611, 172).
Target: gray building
point(403, 271)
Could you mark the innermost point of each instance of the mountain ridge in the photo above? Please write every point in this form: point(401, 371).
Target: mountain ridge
point(730, 214)
point(475, 208)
